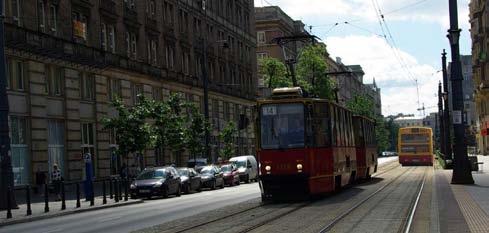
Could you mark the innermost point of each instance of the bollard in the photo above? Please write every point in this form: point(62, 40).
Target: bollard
point(77, 195)
point(116, 191)
point(9, 210)
point(46, 198)
point(28, 200)
point(63, 196)
point(92, 198)
point(125, 190)
point(104, 200)
point(110, 188)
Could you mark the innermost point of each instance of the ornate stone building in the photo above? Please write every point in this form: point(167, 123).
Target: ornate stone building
point(67, 60)
point(479, 21)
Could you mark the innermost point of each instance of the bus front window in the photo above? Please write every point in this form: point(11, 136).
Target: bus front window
point(282, 126)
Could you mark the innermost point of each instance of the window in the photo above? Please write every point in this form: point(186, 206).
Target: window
point(261, 55)
point(115, 90)
point(157, 94)
point(54, 80)
point(16, 9)
point(137, 89)
point(151, 9)
point(56, 143)
point(186, 63)
point(282, 126)
point(261, 37)
point(80, 31)
point(168, 14)
point(226, 111)
point(53, 17)
point(15, 78)
point(41, 12)
point(19, 150)
point(87, 145)
point(198, 66)
point(88, 86)
point(131, 45)
point(130, 4)
point(103, 36)
point(152, 50)
point(170, 57)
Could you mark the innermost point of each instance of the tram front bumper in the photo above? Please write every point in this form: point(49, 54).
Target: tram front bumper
point(283, 186)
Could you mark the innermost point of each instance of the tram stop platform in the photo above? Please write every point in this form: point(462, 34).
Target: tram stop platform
point(444, 207)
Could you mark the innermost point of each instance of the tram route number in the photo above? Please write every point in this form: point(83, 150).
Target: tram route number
point(269, 110)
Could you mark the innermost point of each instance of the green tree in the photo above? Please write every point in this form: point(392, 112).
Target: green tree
point(133, 133)
point(312, 72)
point(195, 132)
point(226, 137)
point(274, 73)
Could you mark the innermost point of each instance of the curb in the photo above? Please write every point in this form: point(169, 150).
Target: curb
point(75, 211)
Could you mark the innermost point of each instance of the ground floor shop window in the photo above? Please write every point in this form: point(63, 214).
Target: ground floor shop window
point(19, 150)
point(88, 146)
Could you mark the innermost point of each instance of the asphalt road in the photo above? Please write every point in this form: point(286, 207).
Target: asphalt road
point(147, 214)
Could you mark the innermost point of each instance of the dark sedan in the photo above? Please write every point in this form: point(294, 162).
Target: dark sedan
point(190, 180)
point(230, 173)
point(212, 177)
point(162, 181)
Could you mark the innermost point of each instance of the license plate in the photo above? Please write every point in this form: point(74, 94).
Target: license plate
point(144, 191)
point(415, 160)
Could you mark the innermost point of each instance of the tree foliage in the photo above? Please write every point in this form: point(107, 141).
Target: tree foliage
point(274, 73)
point(312, 72)
point(226, 137)
point(174, 124)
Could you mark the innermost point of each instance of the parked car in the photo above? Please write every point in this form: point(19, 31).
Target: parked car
point(150, 182)
point(190, 180)
point(212, 177)
point(247, 167)
point(388, 153)
point(197, 163)
point(230, 173)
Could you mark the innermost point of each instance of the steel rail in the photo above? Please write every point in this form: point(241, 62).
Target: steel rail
point(358, 204)
point(407, 227)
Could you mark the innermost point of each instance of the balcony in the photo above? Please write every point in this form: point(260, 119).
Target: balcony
point(131, 17)
point(108, 8)
point(45, 45)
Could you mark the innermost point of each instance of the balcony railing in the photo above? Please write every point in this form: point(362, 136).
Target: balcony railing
point(47, 45)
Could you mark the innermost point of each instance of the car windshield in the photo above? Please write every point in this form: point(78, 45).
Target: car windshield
point(183, 172)
point(207, 170)
point(282, 126)
point(240, 164)
point(151, 174)
point(227, 168)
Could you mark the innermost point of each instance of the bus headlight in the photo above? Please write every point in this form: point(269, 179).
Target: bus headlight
point(299, 166)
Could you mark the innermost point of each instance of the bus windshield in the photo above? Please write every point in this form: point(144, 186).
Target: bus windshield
point(282, 126)
point(415, 138)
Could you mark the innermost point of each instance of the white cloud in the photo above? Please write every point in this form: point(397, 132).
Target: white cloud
point(389, 70)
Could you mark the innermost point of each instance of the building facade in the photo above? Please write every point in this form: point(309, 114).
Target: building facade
point(67, 60)
point(479, 22)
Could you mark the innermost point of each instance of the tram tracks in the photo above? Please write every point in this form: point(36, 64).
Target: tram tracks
point(269, 217)
point(407, 222)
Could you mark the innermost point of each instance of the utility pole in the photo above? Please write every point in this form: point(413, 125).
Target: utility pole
point(446, 110)
point(462, 173)
point(441, 125)
point(6, 173)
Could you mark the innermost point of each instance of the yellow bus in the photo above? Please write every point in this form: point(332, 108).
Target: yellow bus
point(415, 146)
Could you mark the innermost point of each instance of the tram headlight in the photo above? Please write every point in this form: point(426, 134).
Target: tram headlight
point(268, 168)
point(299, 166)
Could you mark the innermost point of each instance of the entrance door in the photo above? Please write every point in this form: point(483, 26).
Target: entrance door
point(56, 147)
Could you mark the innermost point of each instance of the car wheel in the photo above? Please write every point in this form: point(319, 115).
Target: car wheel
point(133, 196)
point(222, 185)
point(247, 180)
point(165, 192)
point(213, 186)
point(200, 187)
point(238, 182)
point(179, 191)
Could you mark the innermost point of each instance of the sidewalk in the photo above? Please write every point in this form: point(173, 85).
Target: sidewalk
point(455, 208)
point(38, 206)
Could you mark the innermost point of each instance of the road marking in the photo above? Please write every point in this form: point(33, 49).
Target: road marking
point(54, 230)
point(108, 219)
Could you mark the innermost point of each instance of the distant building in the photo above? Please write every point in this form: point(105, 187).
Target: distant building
point(373, 92)
point(409, 121)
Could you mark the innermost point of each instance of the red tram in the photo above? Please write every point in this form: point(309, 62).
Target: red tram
point(306, 146)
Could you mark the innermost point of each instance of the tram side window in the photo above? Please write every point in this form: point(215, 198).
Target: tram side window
point(343, 128)
point(333, 125)
point(321, 136)
point(359, 137)
point(338, 129)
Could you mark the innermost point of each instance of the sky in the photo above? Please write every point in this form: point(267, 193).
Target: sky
point(407, 51)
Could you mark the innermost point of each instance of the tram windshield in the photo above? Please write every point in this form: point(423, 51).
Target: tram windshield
point(282, 126)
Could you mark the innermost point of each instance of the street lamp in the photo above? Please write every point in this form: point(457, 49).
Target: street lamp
point(462, 173)
point(6, 174)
